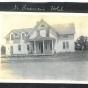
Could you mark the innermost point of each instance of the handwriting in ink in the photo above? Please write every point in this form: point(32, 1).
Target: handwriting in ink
point(26, 8)
point(58, 8)
point(15, 7)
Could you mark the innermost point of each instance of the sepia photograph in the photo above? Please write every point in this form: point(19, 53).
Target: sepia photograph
point(44, 46)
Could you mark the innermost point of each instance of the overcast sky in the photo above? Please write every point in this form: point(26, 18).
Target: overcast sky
point(26, 20)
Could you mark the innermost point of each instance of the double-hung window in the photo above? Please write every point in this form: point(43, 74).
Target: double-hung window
point(65, 45)
point(19, 47)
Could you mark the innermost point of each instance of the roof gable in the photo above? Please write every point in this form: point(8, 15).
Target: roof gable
point(61, 29)
point(18, 32)
point(46, 26)
point(67, 28)
point(42, 24)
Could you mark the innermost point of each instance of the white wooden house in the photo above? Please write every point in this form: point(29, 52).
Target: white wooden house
point(41, 39)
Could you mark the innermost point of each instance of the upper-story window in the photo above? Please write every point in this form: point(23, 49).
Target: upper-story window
point(11, 36)
point(47, 33)
point(42, 25)
point(38, 32)
point(23, 36)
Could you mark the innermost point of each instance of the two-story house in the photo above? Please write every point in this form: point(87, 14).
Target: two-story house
point(41, 39)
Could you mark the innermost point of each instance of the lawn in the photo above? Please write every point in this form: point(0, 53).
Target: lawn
point(61, 66)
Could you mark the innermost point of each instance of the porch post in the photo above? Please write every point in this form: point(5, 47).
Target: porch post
point(34, 48)
point(43, 48)
point(52, 46)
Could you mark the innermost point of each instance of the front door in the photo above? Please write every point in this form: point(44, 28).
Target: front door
point(41, 47)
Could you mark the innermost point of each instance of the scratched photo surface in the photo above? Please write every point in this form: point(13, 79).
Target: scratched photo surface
point(44, 46)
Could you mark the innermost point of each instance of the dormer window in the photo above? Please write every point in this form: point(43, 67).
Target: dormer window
point(11, 36)
point(23, 36)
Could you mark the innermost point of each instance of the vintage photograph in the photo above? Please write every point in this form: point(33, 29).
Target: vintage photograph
point(44, 46)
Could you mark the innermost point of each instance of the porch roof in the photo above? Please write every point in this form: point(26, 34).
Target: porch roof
point(40, 38)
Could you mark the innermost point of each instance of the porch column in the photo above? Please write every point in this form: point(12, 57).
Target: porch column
point(34, 47)
point(43, 48)
point(52, 46)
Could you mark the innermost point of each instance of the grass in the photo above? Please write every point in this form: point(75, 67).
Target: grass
point(61, 66)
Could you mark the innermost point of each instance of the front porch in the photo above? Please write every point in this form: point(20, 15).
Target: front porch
point(41, 45)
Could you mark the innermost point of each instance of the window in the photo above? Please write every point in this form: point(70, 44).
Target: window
point(47, 33)
point(11, 36)
point(38, 32)
point(63, 45)
point(22, 36)
point(39, 45)
point(19, 47)
point(28, 47)
point(42, 25)
point(50, 45)
point(67, 45)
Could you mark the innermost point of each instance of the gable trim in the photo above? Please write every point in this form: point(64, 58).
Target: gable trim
point(38, 24)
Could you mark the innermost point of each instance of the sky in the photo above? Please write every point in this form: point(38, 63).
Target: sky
point(28, 20)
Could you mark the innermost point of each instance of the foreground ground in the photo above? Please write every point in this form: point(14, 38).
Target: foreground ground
point(62, 66)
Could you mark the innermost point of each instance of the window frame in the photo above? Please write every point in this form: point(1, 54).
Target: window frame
point(28, 47)
point(19, 47)
point(47, 33)
point(64, 47)
point(38, 32)
point(67, 45)
point(42, 25)
point(39, 45)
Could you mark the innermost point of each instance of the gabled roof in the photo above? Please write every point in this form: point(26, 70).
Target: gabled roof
point(37, 24)
point(61, 29)
point(18, 32)
point(67, 28)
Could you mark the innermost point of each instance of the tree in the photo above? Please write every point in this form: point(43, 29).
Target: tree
point(3, 49)
point(82, 42)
